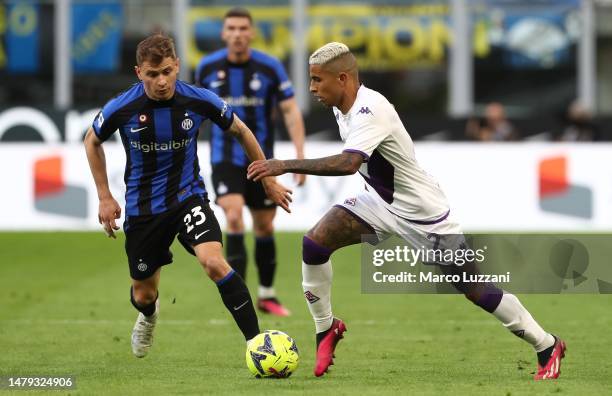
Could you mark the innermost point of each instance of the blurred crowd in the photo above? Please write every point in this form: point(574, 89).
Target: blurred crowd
point(575, 125)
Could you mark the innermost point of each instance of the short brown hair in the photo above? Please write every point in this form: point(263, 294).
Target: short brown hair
point(238, 12)
point(154, 49)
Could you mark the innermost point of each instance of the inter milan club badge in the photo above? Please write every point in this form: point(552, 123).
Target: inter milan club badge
point(142, 266)
point(255, 83)
point(142, 118)
point(187, 124)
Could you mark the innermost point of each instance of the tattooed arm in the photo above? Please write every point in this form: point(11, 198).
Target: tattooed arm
point(345, 163)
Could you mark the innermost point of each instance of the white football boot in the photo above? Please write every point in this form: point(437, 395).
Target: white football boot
point(142, 334)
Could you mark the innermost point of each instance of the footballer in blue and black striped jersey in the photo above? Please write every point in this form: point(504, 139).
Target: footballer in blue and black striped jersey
point(160, 138)
point(253, 88)
point(158, 121)
point(255, 85)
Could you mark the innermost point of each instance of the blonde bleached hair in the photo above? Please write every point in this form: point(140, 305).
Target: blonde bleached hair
point(328, 53)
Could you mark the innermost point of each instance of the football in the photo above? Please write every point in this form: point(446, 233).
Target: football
point(272, 354)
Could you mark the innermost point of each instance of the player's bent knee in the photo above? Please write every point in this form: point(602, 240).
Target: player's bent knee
point(234, 219)
point(144, 295)
point(469, 291)
point(265, 230)
point(216, 267)
point(313, 253)
point(316, 235)
point(471, 295)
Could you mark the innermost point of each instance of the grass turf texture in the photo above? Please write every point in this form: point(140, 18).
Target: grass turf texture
point(65, 310)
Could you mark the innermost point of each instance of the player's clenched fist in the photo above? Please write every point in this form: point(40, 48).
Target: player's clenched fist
point(262, 168)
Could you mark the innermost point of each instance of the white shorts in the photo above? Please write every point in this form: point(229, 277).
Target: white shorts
point(373, 213)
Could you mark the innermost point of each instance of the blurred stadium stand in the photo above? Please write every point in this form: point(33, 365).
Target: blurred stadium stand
point(525, 54)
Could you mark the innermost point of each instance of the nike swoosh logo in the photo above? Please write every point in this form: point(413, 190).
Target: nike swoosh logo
point(134, 130)
point(241, 305)
point(216, 84)
point(197, 236)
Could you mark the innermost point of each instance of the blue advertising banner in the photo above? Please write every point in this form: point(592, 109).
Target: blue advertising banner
point(22, 18)
point(96, 36)
point(537, 41)
point(534, 34)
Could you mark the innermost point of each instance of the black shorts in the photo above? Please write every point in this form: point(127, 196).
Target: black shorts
point(148, 238)
point(231, 179)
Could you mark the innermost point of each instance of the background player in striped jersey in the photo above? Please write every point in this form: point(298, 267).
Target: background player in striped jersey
point(400, 199)
point(158, 121)
point(253, 83)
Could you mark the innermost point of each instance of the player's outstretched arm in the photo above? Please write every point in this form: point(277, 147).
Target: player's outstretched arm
point(295, 127)
point(275, 191)
point(247, 140)
point(346, 163)
point(109, 210)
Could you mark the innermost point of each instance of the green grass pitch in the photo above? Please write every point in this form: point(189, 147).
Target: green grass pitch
point(65, 310)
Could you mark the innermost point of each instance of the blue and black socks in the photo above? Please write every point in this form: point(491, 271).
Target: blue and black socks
point(237, 300)
point(265, 259)
point(236, 253)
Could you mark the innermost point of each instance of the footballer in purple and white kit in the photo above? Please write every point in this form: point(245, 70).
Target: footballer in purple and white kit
point(400, 198)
